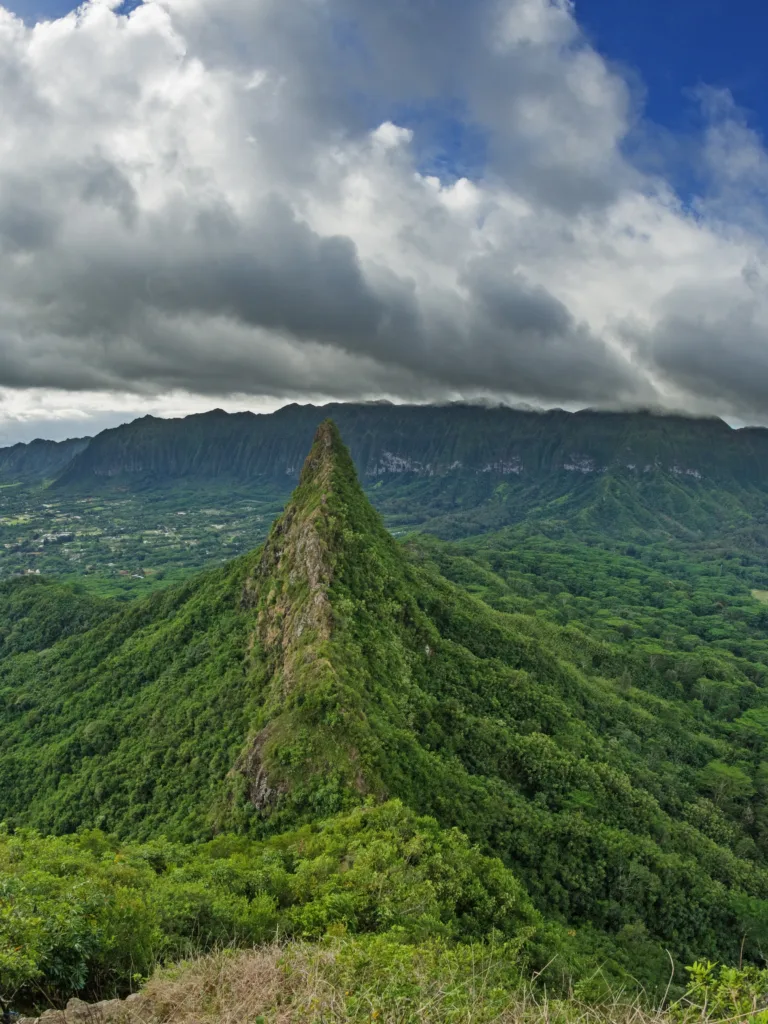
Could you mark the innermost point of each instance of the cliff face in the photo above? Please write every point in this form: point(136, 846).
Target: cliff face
point(422, 441)
point(39, 460)
point(315, 723)
point(455, 470)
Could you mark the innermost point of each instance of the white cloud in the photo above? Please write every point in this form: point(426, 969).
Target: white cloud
point(28, 413)
point(218, 197)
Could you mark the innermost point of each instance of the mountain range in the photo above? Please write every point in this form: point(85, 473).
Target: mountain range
point(453, 470)
point(39, 460)
point(386, 439)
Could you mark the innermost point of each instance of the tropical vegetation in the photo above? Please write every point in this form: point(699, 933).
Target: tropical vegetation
point(541, 748)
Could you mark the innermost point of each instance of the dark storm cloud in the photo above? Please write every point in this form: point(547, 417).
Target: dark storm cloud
point(149, 312)
point(714, 348)
point(311, 291)
point(536, 340)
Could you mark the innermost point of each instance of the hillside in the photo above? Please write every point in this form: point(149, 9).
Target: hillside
point(330, 667)
point(39, 460)
point(36, 613)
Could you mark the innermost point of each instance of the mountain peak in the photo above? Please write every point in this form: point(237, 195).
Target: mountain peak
point(296, 568)
point(328, 452)
point(303, 539)
point(321, 554)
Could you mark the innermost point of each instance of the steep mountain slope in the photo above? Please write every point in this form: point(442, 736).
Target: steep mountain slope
point(328, 668)
point(36, 613)
point(39, 460)
point(422, 441)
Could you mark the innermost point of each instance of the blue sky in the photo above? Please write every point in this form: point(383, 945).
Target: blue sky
point(34, 10)
point(677, 45)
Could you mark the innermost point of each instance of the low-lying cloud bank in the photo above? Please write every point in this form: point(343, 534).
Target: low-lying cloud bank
point(255, 197)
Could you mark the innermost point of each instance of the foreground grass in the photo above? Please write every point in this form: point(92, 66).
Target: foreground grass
point(342, 983)
point(379, 980)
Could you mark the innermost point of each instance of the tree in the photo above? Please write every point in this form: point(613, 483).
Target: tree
point(726, 783)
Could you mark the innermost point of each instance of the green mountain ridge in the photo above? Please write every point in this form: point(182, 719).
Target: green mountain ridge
point(39, 460)
point(301, 631)
point(421, 441)
point(334, 666)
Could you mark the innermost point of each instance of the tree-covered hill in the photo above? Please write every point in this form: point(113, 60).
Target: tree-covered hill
point(331, 667)
point(36, 613)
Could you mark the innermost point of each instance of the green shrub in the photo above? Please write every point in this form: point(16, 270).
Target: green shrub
point(82, 914)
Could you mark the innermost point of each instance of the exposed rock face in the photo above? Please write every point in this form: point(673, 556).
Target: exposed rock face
point(290, 586)
point(109, 1011)
point(289, 591)
point(261, 792)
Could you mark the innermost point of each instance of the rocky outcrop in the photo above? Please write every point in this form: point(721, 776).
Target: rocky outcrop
point(289, 588)
point(312, 725)
point(109, 1011)
point(263, 793)
point(289, 593)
